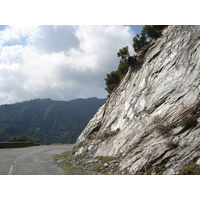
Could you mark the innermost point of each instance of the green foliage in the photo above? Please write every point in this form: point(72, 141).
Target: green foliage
point(103, 164)
point(122, 69)
point(80, 166)
point(22, 138)
point(107, 159)
point(152, 31)
point(124, 54)
point(64, 161)
point(47, 120)
point(114, 78)
point(148, 31)
point(139, 42)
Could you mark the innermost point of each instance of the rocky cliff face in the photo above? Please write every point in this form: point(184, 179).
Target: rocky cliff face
point(150, 123)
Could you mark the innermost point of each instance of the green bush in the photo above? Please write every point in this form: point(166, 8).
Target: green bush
point(122, 69)
point(148, 31)
point(139, 42)
point(22, 138)
point(124, 54)
point(113, 79)
point(152, 31)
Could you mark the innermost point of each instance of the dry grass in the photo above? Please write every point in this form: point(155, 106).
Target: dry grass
point(101, 135)
point(188, 121)
point(190, 169)
point(171, 144)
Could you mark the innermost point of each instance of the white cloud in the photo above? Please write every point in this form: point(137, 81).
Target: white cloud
point(17, 33)
point(58, 62)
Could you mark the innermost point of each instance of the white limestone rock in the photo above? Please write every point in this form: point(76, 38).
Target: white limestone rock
point(165, 88)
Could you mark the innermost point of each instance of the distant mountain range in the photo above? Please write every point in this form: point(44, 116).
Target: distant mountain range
point(47, 120)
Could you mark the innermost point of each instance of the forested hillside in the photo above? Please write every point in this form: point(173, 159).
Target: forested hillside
point(47, 120)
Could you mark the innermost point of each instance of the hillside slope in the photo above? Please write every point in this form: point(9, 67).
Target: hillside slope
point(150, 123)
point(47, 120)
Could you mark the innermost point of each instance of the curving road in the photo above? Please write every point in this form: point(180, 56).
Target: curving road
point(36, 160)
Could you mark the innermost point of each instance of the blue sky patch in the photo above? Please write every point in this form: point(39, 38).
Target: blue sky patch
point(2, 27)
point(137, 28)
point(22, 41)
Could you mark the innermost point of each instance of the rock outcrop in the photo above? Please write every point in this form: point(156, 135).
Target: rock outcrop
point(151, 122)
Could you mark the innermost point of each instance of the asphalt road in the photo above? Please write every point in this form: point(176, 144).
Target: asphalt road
point(36, 160)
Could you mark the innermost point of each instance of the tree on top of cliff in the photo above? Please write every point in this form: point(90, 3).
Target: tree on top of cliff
point(124, 54)
point(152, 31)
point(139, 42)
point(148, 31)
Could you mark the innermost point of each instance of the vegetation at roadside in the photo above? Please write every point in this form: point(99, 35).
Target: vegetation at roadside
point(82, 167)
point(68, 167)
point(139, 41)
point(103, 164)
point(22, 138)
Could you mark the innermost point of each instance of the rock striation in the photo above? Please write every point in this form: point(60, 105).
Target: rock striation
point(150, 124)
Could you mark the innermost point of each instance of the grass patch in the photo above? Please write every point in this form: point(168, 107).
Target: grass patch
point(161, 127)
point(103, 164)
point(165, 129)
point(66, 164)
point(81, 144)
point(134, 146)
point(106, 159)
point(90, 137)
point(79, 167)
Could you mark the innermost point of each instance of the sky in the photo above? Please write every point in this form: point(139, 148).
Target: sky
point(61, 62)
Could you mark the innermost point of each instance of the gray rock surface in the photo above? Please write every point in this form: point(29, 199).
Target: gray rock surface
point(150, 109)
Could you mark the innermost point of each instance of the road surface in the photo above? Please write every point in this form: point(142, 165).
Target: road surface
point(37, 160)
